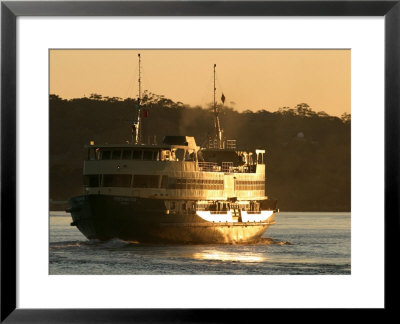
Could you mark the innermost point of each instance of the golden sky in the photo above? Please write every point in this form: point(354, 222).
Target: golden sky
point(250, 79)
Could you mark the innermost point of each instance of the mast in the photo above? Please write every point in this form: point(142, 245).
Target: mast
point(137, 127)
point(218, 131)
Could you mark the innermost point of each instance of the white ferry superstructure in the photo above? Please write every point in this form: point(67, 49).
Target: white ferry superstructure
point(174, 192)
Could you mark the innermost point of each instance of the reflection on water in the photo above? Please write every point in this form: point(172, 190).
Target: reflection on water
point(215, 255)
point(300, 243)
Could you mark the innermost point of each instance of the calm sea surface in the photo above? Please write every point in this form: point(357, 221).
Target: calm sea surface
point(299, 243)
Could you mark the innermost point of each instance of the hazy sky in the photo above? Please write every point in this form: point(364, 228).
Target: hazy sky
point(249, 79)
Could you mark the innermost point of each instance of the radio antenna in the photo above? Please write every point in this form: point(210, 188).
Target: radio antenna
point(137, 126)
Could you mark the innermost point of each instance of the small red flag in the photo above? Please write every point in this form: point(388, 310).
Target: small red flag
point(146, 113)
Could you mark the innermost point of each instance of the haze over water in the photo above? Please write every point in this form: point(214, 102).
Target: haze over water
point(299, 243)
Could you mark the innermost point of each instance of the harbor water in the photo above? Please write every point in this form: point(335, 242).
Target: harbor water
point(306, 243)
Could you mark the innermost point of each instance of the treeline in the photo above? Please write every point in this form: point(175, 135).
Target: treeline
point(308, 152)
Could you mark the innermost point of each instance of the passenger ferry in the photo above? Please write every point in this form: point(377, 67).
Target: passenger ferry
point(174, 192)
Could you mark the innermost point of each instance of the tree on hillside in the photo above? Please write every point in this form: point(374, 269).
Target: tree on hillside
point(346, 118)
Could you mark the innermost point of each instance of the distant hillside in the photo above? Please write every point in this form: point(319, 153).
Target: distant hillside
point(308, 153)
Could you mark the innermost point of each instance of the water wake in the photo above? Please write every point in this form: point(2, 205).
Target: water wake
point(270, 241)
point(116, 243)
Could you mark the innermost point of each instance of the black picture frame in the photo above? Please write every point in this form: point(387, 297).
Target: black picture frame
point(10, 10)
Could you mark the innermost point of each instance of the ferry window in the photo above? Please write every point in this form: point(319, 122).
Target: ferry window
point(166, 156)
point(145, 181)
point(173, 183)
point(92, 154)
point(147, 155)
point(164, 181)
point(91, 180)
point(126, 154)
point(116, 154)
point(105, 155)
point(190, 156)
point(194, 184)
point(180, 154)
point(117, 180)
point(260, 158)
point(137, 155)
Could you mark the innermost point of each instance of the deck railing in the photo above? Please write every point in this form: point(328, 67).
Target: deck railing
point(209, 167)
point(226, 167)
point(228, 144)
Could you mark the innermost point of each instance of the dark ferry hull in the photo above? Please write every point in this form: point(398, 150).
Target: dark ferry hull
point(147, 220)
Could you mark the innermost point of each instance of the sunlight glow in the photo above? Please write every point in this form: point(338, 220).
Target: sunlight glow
point(226, 256)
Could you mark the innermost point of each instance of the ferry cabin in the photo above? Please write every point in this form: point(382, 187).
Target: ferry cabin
point(186, 177)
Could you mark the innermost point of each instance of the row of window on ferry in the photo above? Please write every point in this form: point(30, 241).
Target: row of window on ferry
point(148, 181)
point(156, 181)
point(121, 154)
